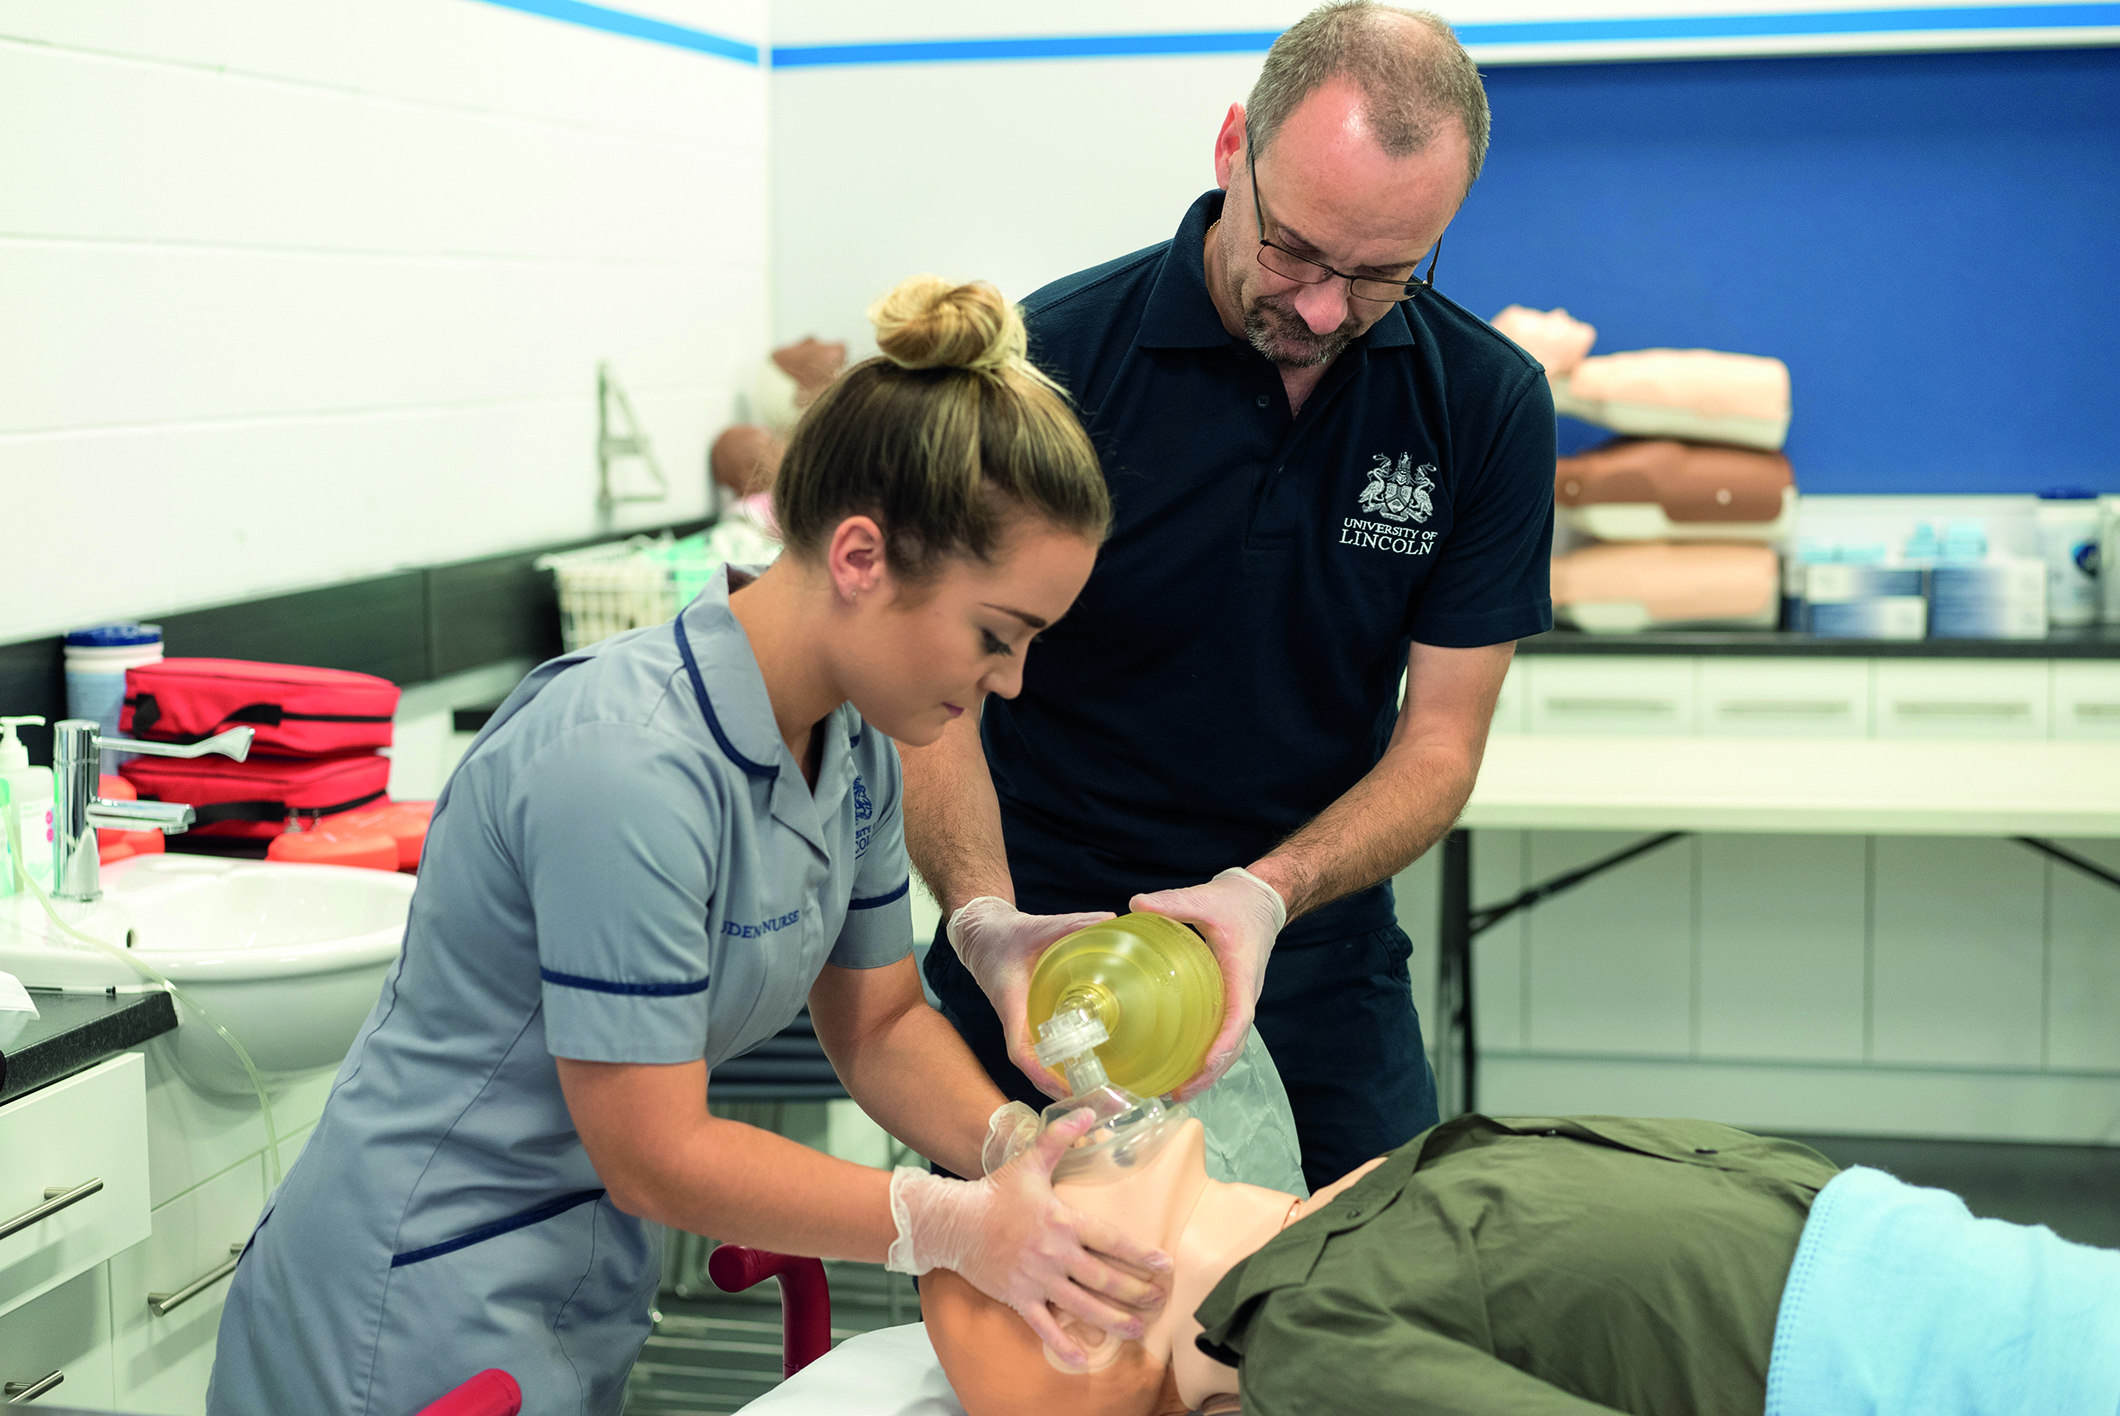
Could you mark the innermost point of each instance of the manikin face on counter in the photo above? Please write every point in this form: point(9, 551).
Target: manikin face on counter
point(914, 657)
point(997, 1365)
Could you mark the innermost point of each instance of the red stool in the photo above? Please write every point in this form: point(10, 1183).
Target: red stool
point(491, 1393)
point(805, 1298)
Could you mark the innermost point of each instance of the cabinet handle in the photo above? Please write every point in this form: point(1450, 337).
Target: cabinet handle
point(1962, 710)
point(1812, 707)
point(160, 1303)
point(1611, 705)
point(2098, 710)
point(55, 1199)
point(19, 1392)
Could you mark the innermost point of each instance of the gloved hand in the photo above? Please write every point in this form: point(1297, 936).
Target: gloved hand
point(1011, 1238)
point(999, 944)
point(1009, 1133)
point(1240, 916)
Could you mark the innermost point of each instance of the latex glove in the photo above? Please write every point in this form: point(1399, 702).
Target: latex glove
point(999, 944)
point(1009, 1132)
point(1013, 1239)
point(1240, 916)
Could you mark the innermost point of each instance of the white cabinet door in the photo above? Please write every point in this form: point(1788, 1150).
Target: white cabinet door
point(166, 1294)
point(73, 1177)
point(1785, 697)
point(2086, 700)
point(63, 1334)
point(1617, 695)
point(1962, 698)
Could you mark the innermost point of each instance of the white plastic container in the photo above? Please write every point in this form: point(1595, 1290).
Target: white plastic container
point(31, 790)
point(2068, 538)
point(96, 661)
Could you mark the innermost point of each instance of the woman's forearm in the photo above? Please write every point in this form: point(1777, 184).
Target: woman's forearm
point(662, 1157)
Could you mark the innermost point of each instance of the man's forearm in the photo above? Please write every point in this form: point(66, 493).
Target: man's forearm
point(953, 820)
point(1379, 827)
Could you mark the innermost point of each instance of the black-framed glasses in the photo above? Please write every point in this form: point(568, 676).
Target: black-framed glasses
point(1290, 266)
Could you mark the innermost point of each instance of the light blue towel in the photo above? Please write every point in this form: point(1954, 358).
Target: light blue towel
point(1901, 1302)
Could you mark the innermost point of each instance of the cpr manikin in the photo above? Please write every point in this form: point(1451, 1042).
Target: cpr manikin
point(1147, 1177)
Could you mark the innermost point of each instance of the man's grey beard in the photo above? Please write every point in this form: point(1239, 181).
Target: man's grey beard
point(1321, 349)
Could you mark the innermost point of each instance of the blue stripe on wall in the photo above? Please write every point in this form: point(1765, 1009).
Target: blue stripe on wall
point(2059, 18)
point(1662, 28)
point(599, 17)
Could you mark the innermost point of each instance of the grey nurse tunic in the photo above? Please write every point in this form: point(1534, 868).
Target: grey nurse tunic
point(626, 867)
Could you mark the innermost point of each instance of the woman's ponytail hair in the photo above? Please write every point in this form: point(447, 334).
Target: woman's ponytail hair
point(948, 439)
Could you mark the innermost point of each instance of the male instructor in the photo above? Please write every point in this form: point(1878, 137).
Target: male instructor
point(1323, 472)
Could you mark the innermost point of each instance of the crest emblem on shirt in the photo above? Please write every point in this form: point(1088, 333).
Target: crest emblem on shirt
point(1399, 493)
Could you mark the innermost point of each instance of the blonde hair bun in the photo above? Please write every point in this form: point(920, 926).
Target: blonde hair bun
point(929, 323)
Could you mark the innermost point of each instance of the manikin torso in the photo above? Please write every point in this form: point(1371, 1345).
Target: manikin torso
point(998, 1366)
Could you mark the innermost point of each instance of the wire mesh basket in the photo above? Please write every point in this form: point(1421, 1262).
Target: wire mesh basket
point(621, 585)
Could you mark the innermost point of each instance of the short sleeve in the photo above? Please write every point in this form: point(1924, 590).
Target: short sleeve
point(1492, 582)
point(616, 833)
point(879, 924)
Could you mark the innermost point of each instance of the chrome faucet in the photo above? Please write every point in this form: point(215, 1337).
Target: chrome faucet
point(77, 812)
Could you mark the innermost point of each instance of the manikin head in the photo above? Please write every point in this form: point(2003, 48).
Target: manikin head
point(1364, 132)
point(998, 1366)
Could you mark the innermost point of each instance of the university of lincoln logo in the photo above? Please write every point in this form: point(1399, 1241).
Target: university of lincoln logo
point(1399, 493)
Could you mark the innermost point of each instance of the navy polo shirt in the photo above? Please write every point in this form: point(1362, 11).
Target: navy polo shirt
point(1232, 666)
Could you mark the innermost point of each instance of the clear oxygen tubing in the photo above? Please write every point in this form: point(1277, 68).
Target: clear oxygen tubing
point(140, 965)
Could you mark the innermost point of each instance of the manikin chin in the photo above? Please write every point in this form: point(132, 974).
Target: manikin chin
point(998, 1366)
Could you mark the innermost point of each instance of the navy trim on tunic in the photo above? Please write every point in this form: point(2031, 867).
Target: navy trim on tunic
point(641, 990)
point(496, 1229)
point(877, 901)
point(706, 706)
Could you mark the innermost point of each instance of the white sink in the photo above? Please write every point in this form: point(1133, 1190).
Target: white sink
point(290, 958)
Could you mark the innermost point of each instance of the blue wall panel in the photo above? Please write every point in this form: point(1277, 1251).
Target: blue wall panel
point(1932, 243)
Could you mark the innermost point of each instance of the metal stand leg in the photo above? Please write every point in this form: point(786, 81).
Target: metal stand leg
point(1457, 1072)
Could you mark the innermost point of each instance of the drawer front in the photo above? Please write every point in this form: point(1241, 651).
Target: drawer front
point(1617, 696)
point(2086, 701)
point(64, 1331)
point(166, 1294)
point(1959, 698)
point(1785, 698)
point(58, 1142)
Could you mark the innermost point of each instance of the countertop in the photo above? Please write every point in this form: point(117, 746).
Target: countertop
point(2091, 642)
point(77, 1030)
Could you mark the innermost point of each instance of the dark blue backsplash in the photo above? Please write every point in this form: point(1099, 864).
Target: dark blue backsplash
point(1932, 243)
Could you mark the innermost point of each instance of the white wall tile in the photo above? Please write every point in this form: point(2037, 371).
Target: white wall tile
point(2083, 991)
point(310, 168)
point(298, 293)
point(171, 518)
point(1781, 946)
point(1611, 961)
point(121, 336)
point(415, 51)
point(1959, 941)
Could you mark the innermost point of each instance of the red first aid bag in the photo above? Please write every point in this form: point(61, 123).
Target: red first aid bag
point(295, 710)
point(257, 798)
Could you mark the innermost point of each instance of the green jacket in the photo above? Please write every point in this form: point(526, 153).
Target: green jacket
point(1528, 1267)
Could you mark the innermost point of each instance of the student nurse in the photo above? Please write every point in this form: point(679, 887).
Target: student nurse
point(658, 850)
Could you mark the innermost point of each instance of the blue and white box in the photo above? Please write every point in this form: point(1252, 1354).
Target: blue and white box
point(2002, 597)
point(1865, 601)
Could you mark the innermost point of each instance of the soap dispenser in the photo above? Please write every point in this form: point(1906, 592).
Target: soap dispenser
point(31, 788)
